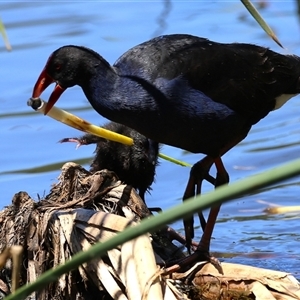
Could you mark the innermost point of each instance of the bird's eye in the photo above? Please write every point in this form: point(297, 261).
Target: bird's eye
point(57, 67)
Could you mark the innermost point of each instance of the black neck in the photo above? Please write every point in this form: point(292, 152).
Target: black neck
point(122, 99)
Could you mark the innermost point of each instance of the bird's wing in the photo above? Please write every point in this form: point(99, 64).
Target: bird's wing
point(245, 77)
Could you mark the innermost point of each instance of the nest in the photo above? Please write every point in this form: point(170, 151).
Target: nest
point(83, 209)
point(80, 210)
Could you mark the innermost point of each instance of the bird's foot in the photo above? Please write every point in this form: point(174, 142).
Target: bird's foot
point(174, 235)
point(79, 142)
point(204, 255)
point(199, 255)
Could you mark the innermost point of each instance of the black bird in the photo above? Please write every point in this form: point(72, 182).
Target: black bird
point(181, 90)
point(135, 165)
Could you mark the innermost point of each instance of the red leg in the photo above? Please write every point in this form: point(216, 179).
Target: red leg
point(198, 173)
point(221, 178)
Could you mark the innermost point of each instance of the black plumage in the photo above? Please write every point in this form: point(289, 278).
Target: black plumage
point(134, 165)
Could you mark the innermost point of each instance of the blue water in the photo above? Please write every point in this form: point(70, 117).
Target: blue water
point(31, 157)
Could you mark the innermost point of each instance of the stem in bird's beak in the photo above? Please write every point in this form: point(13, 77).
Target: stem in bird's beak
point(71, 120)
point(42, 83)
point(78, 123)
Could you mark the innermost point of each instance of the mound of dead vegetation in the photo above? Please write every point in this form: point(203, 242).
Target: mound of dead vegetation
point(83, 209)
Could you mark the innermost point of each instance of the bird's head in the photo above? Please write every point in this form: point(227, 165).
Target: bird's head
point(144, 150)
point(67, 66)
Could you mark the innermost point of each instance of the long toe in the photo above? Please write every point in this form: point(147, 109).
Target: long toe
point(200, 255)
point(199, 172)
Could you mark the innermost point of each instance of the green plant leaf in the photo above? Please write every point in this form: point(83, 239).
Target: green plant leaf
point(253, 11)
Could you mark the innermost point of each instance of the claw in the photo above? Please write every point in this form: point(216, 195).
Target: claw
point(73, 140)
point(198, 256)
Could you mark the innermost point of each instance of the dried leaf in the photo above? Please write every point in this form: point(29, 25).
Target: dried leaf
point(262, 283)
